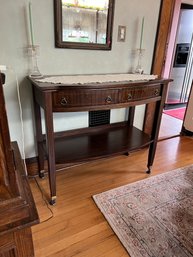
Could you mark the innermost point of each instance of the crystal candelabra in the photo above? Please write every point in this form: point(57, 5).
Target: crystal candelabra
point(33, 53)
point(139, 68)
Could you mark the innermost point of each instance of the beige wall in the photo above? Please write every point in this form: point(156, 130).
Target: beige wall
point(14, 40)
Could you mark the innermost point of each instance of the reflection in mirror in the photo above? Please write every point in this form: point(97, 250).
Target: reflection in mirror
point(84, 23)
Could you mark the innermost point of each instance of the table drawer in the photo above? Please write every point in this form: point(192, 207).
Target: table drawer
point(79, 98)
point(140, 93)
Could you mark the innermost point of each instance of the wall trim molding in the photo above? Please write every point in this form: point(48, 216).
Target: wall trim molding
point(186, 132)
point(32, 166)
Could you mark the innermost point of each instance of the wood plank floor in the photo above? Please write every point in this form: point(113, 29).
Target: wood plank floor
point(77, 227)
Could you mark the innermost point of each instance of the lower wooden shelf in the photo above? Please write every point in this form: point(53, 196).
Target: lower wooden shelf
point(98, 142)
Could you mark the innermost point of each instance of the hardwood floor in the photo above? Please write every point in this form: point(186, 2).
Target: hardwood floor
point(77, 227)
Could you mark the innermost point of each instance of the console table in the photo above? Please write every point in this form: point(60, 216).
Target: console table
point(94, 142)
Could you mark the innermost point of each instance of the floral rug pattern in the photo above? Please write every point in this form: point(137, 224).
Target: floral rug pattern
point(153, 217)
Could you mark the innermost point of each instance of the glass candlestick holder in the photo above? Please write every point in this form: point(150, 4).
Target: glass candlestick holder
point(139, 69)
point(33, 52)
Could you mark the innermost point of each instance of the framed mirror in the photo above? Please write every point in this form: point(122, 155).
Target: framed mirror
point(83, 24)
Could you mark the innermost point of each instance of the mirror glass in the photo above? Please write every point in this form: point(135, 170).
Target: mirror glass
point(84, 23)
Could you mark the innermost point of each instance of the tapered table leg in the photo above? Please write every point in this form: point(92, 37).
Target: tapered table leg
point(39, 139)
point(50, 146)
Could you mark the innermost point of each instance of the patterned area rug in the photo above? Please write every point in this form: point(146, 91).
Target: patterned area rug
point(153, 217)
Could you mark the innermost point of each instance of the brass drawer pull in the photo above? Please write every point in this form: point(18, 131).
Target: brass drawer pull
point(108, 100)
point(156, 92)
point(63, 101)
point(129, 96)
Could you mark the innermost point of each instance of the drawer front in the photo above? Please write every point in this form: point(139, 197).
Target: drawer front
point(85, 97)
point(140, 93)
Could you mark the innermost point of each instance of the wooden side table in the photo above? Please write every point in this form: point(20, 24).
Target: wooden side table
point(94, 142)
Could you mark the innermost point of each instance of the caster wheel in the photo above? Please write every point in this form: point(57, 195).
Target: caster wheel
point(148, 171)
point(41, 175)
point(53, 200)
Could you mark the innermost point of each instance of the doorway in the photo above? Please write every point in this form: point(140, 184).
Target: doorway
point(178, 66)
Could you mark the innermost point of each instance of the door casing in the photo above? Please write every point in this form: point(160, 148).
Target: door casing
point(160, 50)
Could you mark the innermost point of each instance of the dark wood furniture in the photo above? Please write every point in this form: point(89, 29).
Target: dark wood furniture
point(17, 208)
point(94, 142)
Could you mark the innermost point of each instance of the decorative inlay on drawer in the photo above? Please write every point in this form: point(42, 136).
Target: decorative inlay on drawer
point(84, 97)
point(140, 93)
